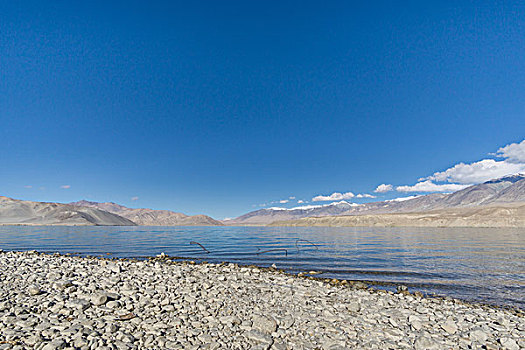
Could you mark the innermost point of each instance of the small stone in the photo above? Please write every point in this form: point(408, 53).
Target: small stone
point(111, 328)
point(417, 325)
point(34, 290)
point(402, 288)
point(259, 337)
point(354, 306)
point(99, 299)
point(55, 345)
point(449, 326)
point(478, 335)
point(418, 294)
point(425, 343)
point(113, 304)
point(79, 304)
point(279, 346)
point(264, 324)
point(359, 285)
point(286, 322)
point(62, 285)
point(509, 343)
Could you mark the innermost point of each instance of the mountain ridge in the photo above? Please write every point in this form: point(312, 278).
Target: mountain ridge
point(20, 212)
point(151, 217)
point(505, 190)
point(483, 216)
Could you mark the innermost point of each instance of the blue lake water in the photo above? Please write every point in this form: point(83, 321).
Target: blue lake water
point(485, 265)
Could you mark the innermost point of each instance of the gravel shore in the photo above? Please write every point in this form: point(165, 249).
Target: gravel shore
point(60, 302)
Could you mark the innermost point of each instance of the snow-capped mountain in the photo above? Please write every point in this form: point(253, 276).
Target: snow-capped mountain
point(503, 191)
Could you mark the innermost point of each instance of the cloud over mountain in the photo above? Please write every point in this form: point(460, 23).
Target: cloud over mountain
point(514, 152)
point(429, 186)
point(384, 188)
point(336, 196)
point(365, 195)
point(477, 172)
point(463, 174)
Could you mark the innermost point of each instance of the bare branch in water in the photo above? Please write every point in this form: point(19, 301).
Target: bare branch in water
point(200, 245)
point(274, 250)
point(305, 240)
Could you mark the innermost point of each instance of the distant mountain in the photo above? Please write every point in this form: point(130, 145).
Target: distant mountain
point(502, 191)
point(269, 215)
point(18, 212)
point(506, 216)
point(485, 193)
point(150, 217)
point(511, 194)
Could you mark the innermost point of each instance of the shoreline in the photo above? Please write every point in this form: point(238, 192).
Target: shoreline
point(53, 301)
point(369, 284)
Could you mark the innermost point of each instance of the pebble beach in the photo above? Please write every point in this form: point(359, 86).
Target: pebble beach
point(68, 302)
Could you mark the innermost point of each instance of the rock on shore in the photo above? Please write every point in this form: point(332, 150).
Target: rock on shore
point(58, 302)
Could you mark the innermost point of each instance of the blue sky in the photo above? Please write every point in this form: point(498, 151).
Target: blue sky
point(218, 107)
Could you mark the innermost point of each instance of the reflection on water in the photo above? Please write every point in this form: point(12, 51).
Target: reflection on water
point(478, 264)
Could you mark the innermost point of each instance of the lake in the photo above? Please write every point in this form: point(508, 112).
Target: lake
point(476, 264)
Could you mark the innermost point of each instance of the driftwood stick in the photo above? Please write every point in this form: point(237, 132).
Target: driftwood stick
point(305, 240)
point(200, 245)
point(274, 250)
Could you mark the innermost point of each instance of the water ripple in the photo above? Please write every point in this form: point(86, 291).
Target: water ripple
point(485, 265)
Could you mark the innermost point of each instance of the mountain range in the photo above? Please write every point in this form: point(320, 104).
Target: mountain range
point(18, 212)
point(509, 190)
point(150, 217)
point(499, 202)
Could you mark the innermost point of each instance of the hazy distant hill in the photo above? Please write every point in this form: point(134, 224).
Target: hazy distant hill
point(269, 215)
point(13, 211)
point(150, 217)
point(511, 216)
point(503, 191)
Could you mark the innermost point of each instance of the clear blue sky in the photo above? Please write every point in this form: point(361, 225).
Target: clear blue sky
point(215, 106)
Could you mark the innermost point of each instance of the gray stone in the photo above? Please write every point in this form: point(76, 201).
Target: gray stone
point(509, 343)
point(55, 345)
point(79, 304)
point(402, 288)
point(478, 335)
point(264, 324)
point(425, 343)
point(259, 337)
point(354, 306)
point(33, 290)
point(449, 326)
point(99, 299)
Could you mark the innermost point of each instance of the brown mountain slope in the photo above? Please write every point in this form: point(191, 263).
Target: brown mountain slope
point(503, 191)
point(502, 216)
point(150, 217)
point(18, 212)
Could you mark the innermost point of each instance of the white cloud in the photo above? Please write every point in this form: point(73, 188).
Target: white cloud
point(65, 186)
point(402, 199)
point(514, 152)
point(291, 197)
point(484, 170)
point(365, 195)
point(284, 201)
point(28, 186)
point(336, 196)
point(135, 198)
point(384, 188)
point(429, 186)
point(300, 201)
point(306, 207)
